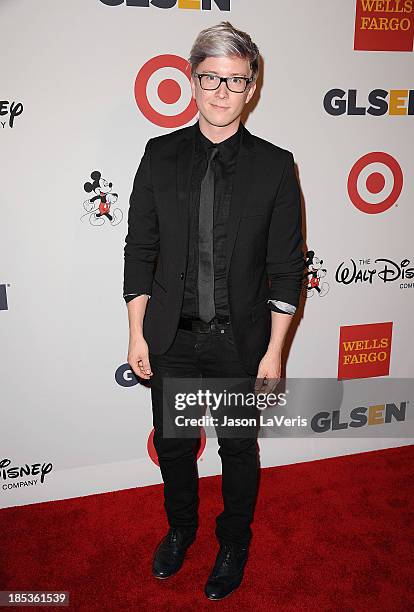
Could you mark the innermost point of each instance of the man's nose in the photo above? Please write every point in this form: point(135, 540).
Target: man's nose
point(222, 91)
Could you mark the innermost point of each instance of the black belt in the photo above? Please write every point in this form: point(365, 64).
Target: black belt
point(200, 326)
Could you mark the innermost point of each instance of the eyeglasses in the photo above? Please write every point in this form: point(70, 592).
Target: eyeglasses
point(236, 84)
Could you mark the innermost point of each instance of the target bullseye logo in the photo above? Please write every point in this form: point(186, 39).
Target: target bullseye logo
point(153, 453)
point(163, 92)
point(375, 182)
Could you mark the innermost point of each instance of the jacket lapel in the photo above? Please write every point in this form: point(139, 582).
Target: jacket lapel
point(242, 182)
point(185, 159)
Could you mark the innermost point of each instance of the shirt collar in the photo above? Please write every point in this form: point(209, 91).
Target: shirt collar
point(226, 149)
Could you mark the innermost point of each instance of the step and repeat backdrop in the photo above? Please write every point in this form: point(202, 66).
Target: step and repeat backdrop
point(84, 85)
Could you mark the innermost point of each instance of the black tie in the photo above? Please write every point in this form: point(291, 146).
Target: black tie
point(205, 244)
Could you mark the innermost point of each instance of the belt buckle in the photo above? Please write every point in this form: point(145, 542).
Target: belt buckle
point(218, 325)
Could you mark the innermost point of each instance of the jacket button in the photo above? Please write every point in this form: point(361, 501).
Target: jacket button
point(182, 275)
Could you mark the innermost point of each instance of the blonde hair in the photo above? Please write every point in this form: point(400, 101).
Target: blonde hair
point(224, 40)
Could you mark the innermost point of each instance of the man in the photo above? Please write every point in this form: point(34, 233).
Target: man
point(213, 275)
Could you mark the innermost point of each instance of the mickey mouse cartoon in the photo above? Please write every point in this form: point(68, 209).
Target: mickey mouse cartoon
point(102, 188)
point(314, 275)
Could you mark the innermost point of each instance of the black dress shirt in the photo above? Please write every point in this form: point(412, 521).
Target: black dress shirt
point(224, 165)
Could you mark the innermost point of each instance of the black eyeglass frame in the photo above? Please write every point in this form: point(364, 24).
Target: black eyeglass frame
point(247, 81)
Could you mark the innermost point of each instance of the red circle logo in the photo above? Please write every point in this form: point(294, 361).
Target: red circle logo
point(375, 182)
point(153, 453)
point(163, 92)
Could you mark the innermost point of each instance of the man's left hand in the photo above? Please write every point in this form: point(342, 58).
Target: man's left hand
point(269, 372)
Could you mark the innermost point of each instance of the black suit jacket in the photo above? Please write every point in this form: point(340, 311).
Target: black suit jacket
point(264, 240)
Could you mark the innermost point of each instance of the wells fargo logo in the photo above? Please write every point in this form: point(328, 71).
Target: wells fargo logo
point(384, 25)
point(364, 350)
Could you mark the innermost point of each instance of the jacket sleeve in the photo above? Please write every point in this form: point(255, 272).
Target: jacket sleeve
point(142, 240)
point(285, 260)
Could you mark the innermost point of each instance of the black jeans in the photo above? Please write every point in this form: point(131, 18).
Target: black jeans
point(213, 355)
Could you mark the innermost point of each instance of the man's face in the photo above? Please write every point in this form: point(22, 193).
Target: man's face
point(220, 107)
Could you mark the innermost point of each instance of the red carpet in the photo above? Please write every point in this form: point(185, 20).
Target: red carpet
point(334, 534)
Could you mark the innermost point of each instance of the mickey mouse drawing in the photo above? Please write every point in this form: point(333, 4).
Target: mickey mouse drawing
point(314, 275)
point(99, 205)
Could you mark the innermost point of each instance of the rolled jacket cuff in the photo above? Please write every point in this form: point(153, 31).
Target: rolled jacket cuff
point(130, 296)
point(279, 306)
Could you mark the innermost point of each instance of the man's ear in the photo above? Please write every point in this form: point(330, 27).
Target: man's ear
point(251, 92)
point(192, 83)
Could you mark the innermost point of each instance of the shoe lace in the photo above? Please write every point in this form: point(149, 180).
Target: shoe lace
point(227, 555)
point(173, 535)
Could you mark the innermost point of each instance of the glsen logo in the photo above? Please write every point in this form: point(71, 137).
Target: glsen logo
point(3, 297)
point(366, 270)
point(125, 376)
point(341, 102)
point(364, 350)
point(375, 182)
point(384, 25)
point(153, 453)
point(362, 416)
point(203, 5)
point(163, 91)
point(11, 110)
point(23, 471)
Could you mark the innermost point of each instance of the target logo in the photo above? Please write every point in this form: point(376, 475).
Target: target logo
point(153, 453)
point(163, 92)
point(375, 182)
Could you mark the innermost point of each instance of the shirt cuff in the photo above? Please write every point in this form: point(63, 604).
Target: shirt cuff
point(279, 306)
point(130, 296)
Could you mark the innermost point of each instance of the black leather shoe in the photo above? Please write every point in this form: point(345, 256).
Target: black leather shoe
point(227, 572)
point(170, 552)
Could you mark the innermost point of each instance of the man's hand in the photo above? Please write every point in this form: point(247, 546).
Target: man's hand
point(138, 358)
point(269, 372)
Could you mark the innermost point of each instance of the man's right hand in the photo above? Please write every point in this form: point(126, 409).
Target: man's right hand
point(138, 358)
